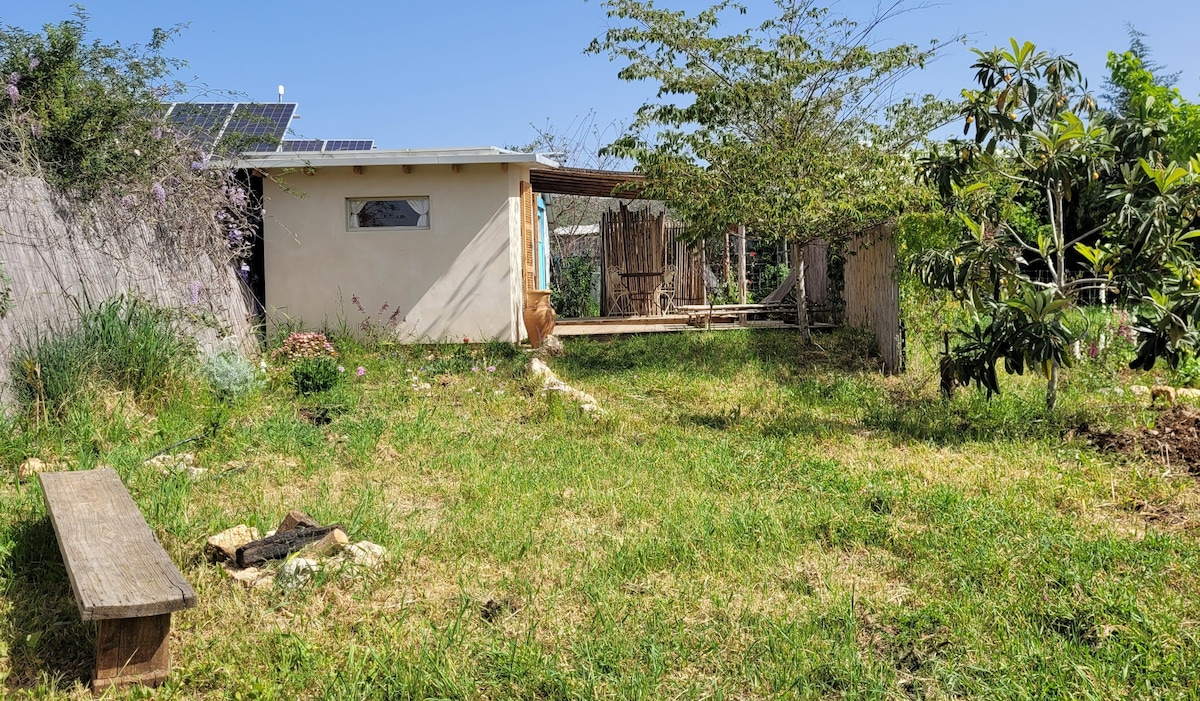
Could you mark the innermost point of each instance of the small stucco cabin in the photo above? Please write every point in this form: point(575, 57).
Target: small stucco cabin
point(445, 238)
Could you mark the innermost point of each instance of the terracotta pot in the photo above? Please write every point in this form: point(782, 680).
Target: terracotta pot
point(539, 316)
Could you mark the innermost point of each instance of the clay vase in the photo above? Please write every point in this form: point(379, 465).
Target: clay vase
point(539, 316)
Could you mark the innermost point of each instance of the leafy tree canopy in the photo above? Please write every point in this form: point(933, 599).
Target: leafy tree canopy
point(790, 127)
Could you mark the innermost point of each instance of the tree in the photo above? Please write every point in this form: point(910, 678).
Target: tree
point(1034, 147)
point(1119, 93)
point(1038, 149)
point(789, 127)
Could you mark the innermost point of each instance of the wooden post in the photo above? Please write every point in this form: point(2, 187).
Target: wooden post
point(741, 232)
point(132, 651)
point(801, 291)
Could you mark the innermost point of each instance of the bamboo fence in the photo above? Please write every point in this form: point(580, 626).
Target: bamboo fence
point(61, 258)
point(872, 292)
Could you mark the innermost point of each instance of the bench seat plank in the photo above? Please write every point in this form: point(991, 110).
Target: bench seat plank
point(117, 567)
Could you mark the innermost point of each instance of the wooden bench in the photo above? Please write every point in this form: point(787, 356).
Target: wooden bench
point(120, 574)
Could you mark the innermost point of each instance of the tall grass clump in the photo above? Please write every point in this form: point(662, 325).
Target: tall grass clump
point(124, 343)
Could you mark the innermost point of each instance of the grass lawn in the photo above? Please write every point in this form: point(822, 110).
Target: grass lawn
point(752, 517)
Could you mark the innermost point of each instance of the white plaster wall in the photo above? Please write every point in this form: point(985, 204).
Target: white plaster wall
point(458, 279)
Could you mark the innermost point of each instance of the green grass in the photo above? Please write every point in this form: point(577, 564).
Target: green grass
point(752, 517)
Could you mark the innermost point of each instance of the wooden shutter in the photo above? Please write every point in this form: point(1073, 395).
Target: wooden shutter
point(528, 239)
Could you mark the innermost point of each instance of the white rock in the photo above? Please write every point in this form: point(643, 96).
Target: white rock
point(1139, 390)
point(1188, 392)
point(31, 467)
point(297, 572)
point(251, 577)
point(366, 554)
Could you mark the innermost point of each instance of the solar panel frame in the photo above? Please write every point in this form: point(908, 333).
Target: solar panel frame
point(202, 121)
point(349, 145)
point(268, 120)
point(302, 145)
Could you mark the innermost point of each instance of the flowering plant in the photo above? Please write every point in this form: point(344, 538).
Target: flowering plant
point(306, 345)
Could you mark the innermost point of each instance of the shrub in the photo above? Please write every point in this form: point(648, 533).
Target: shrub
point(229, 374)
point(313, 375)
point(299, 346)
point(124, 342)
point(574, 285)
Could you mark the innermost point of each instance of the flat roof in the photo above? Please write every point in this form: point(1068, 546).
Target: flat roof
point(393, 157)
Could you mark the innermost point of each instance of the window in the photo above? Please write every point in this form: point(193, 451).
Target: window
point(400, 213)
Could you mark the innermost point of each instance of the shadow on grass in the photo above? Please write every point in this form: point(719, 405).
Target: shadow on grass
point(47, 639)
point(720, 353)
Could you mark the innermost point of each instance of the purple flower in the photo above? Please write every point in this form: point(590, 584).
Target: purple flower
point(361, 371)
point(156, 132)
point(34, 63)
point(128, 201)
point(13, 93)
point(491, 368)
point(197, 165)
point(194, 291)
point(1093, 350)
point(235, 238)
point(475, 369)
point(160, 193)
point(244, 272)
point(14, 78)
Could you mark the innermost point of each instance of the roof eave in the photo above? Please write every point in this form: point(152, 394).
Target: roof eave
point(407, 157)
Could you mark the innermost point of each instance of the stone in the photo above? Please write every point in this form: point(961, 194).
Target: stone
point(366, 554)
point(1139, 390)
point(176, 464)
point(297, 572)
point(31, 467)
point(1188, 392)
point(552, 346)
point(251, 577)
point(223, 546)
point(331, 544)
point(296, 519)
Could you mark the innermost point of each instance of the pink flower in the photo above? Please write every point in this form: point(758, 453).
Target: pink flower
point(160, 193)
point(475, 369)
point(341, 368)
point(491, 368)
point(34, 62)
point(13, 93)
point(361, 371)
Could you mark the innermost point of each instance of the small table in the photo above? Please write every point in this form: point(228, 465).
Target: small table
point(642, 292)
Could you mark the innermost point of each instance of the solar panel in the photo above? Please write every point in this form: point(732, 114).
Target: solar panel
point(349, 145)
point(258, 126)
point(303, 144)
point(203, 121)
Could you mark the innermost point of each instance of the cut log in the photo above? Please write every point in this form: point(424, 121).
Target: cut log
point(281, 545)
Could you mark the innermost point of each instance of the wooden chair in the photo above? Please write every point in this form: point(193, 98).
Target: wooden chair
point(664, 294)
point(618, 293)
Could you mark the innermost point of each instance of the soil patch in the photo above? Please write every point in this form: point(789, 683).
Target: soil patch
point(1174, 441)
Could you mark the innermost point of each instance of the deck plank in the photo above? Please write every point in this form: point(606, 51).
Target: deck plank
point(117, 567)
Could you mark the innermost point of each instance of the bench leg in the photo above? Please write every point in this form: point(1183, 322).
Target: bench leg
point(132, 651)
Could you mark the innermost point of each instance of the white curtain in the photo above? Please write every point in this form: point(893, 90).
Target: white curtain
point(355, 209)
point(421, 207)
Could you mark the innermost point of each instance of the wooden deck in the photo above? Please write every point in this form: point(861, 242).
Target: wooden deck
point(605, 326)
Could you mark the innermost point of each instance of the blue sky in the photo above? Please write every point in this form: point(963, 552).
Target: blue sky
point(440, 73)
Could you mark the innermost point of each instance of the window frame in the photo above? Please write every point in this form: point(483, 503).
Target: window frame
point(348, 213)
